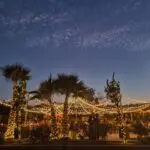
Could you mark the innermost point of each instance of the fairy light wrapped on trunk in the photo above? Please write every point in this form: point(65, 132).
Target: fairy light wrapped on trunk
point(12, 116)
point(113, 93)
point(15, 73)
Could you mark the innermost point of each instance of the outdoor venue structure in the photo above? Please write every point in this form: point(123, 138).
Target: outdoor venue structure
point(80, 107)
point(77, 109)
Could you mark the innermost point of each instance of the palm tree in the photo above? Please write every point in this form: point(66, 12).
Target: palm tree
point(79, 90)
point(14, 74)
point(11, 72)
point(46, 91)
point(67, 85)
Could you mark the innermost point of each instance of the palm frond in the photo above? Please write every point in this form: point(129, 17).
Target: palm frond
point(33, 92)
point(15, 72)
point(35, 97)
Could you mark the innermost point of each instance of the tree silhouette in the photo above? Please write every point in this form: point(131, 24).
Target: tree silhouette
point(15, 73)
point(68, 85)
point(113, 93)
point(46, 91)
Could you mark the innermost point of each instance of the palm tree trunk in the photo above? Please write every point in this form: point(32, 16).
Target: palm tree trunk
point(26, 117)
point(23, 89)
point(21, 102)
point(53, 119)
point(12, 115)
point(65, 117)
point(17, 120)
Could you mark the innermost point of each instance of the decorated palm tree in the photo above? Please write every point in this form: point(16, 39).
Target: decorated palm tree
point(67, 85)
point(10, 72)
point(14, 73)
point(46, 91)
point(24, 76)
point(113, 93)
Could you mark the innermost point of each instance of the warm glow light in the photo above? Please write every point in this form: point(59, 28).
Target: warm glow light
point(11, 125)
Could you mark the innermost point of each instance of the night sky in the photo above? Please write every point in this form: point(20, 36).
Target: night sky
point(91, 38)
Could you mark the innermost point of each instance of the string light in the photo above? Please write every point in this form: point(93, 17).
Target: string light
point(83, 107)
point(11, 125)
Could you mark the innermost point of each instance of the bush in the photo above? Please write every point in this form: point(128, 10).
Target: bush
point(140, 129)
point(40, 134)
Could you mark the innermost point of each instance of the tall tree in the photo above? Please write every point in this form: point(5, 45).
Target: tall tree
point(66, 85)
point(113, 93)
point(13, 73)
point(10, 72)
point(46, 91)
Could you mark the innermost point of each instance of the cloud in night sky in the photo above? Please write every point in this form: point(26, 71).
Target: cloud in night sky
point(116, 30)
point(121, 37)
point(56, 27)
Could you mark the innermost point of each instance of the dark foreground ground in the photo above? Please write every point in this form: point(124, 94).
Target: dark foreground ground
point(76, 147)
